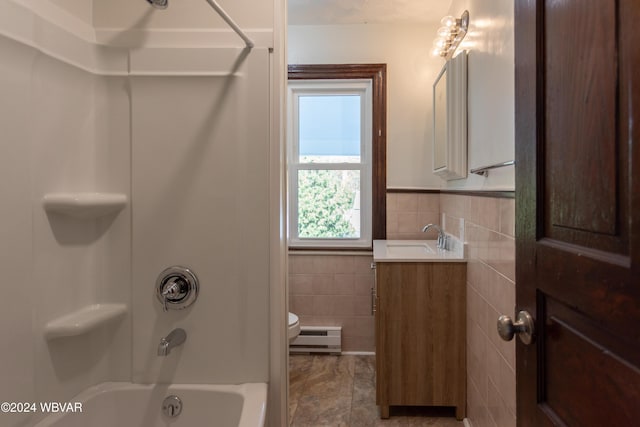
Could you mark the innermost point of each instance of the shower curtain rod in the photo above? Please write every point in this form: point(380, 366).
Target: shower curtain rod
point(231, 23)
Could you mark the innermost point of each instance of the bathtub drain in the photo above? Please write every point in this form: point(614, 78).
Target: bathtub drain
point(172, 406)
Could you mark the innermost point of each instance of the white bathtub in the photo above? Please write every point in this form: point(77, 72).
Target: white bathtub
point(140, 405)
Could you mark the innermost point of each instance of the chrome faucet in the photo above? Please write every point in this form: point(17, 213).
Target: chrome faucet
point(442, 237)
point(175, 338)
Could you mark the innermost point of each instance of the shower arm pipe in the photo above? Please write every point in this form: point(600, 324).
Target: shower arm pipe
point(231, 23)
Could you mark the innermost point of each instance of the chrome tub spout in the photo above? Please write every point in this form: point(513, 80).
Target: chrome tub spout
point(175, 338)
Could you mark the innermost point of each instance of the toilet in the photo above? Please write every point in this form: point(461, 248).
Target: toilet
point(294, 327)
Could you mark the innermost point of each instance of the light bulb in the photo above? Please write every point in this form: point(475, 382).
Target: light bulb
point(439, 43)
point(443, 31)
point(436, 51)
point(448, 21)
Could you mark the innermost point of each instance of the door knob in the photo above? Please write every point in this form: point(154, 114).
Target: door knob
point(524, 327)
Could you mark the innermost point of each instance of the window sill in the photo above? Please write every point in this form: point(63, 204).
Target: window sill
point(293, 250)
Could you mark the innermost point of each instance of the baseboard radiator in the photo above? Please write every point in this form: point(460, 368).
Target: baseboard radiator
point(318, 339)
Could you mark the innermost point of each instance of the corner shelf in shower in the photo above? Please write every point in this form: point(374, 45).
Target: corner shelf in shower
point(84, 320)
point(84, 205)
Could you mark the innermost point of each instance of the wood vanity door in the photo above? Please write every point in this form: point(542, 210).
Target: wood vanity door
point(578, 211)
point(420, 335)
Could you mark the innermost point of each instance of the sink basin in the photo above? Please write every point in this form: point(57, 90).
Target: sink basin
point(409, 249)
point(414, 251)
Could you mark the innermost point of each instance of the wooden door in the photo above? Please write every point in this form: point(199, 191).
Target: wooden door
point(578, 211)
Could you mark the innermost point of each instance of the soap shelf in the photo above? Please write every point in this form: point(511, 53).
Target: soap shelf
point(83, 320)
point(84, 205)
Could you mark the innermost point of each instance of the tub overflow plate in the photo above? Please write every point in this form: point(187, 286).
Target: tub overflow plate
point(172, 406)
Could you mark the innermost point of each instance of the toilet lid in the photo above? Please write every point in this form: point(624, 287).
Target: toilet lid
point(293, 319)
point(294, 327)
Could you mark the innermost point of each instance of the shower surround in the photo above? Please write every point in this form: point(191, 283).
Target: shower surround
point(182, 127)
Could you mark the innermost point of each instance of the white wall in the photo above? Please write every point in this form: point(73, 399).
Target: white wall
point(411, 70)
point(53, 118)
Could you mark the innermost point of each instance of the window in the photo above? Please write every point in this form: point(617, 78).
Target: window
point(333, 156)
point(330, 163)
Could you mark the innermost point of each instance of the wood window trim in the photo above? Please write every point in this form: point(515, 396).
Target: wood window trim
point(377, 73)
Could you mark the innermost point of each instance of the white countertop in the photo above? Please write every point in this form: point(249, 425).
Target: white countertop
point(415, 251)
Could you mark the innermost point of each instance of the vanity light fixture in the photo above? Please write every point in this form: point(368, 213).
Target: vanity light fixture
point(450, 35)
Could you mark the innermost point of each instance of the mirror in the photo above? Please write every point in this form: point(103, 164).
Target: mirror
point(450, 119)
point(440, 120)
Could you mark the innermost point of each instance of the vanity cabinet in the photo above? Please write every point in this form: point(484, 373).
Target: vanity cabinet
point(420, 335)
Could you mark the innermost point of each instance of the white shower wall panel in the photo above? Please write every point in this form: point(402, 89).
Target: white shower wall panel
point(201, 143)
point(81, 9)
point(201, 200)
point(131, 14)
point(63, 129)
point(16, 247)
point(72, 152)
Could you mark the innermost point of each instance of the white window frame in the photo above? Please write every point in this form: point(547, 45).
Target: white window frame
point(363, 88)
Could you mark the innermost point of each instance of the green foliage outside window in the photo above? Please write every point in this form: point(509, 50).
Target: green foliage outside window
point(326, 203)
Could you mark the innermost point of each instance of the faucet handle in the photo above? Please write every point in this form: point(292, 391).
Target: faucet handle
point(173, 290)
point(172, 287)
point(445, 242)
point(163, 347)
point(176, 288)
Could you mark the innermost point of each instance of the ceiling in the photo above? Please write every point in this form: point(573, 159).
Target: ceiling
point(328, 12)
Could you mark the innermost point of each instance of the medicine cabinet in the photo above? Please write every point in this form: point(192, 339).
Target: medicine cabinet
point(450, 119)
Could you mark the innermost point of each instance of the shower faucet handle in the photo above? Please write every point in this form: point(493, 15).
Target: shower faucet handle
point(176, 288)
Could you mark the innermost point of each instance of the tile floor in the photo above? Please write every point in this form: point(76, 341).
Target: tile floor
point(339, 391)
